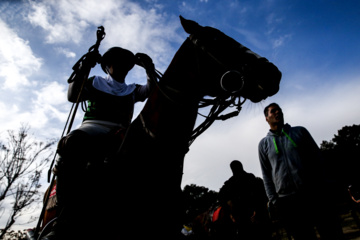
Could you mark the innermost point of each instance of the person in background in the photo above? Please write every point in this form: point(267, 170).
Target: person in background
point(243, 197)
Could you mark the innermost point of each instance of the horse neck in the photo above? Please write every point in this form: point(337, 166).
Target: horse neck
point(182, 73)
point(171, 110)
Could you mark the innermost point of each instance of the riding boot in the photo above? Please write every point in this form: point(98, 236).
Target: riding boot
point(69, 182)
point(76, 185)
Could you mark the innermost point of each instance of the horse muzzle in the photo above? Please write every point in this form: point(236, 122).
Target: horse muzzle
point(261, 81)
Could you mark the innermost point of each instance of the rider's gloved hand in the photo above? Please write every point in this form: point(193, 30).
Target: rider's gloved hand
point(93, 58)
point(144, 61)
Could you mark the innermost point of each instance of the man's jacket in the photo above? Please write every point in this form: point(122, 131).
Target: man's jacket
point(290, 162)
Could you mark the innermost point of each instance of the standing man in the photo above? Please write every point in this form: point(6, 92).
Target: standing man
point(291, 165)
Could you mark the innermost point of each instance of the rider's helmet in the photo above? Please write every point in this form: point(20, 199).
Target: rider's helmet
point(119, 56)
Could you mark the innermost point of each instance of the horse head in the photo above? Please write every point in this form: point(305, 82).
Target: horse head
point(211, 64)
point(222, 66)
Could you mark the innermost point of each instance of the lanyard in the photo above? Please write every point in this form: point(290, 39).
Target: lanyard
point(288, 137)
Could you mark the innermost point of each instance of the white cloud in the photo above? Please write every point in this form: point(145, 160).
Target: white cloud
point(66, 52)
point(253, 38)
point(52, 94)
point(126, 24)
point(44, 112)
point(50, 104)
point(327, 109)
point(273, 19)
point(143, 30)
point(17, 59)
point(280, 40)
point(9, 117)
point(58, 20)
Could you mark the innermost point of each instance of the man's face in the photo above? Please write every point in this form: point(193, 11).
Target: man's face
point(116, 72)
point(275, 116)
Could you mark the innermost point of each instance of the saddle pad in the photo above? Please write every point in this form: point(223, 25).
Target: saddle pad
point(52, 198)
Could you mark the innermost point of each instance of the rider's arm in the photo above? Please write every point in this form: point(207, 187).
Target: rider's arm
point(75, 88)
point(143, 91)
point(82, 73)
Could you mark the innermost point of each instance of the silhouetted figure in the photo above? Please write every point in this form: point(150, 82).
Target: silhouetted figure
point(243, 197)
point(354, 192)
point(109, 111)
point(292, 169)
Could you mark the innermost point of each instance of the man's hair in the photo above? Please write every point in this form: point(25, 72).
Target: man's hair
point(266, 110)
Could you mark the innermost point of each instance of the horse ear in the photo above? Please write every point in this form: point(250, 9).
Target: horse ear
point(189, 26)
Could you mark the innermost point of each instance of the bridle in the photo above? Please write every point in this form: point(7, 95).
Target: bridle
point(218, 104)
point(221, 102)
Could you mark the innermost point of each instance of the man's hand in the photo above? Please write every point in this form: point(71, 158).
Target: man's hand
point(93, 58)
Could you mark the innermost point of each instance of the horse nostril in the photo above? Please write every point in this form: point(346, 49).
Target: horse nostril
point(232, 81)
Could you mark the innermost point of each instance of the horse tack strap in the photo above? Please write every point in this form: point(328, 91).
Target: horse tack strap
point(151, 134)
point(52, 202)
point(197, 42)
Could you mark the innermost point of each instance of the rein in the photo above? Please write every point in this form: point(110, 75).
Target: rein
point(219, 103)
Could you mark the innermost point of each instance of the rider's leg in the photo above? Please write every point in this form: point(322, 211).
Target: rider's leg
point(78, 182)
point(70, 170)
point(71, 164)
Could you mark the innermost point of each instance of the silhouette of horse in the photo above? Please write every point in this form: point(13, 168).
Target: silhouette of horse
point(148, 166)
point(139, 191)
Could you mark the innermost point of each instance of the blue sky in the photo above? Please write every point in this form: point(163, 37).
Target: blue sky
point(315, 44)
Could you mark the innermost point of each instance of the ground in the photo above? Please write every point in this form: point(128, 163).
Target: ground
point(350, 224)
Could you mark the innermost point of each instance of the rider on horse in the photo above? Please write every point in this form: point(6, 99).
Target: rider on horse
point(109, 111)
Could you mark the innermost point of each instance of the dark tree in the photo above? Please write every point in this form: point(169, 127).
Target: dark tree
point(22, 159)
point(342, 154)
point(197, 200)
